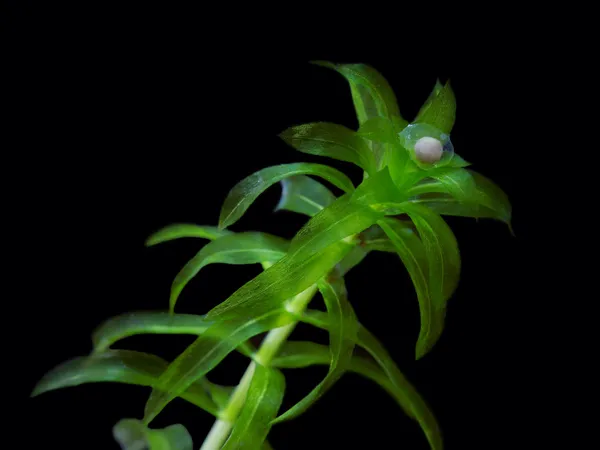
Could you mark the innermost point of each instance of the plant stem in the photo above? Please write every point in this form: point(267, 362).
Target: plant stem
point(267, 351)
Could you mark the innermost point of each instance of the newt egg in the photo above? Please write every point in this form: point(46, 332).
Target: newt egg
point(428, 150)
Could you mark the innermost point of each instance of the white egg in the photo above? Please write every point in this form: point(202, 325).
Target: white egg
point(428, 150)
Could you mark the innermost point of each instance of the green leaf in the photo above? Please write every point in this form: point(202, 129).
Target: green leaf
point(379, 129)
point(342, 336)
point(206, 352)
point(341, 219)
point(434, 93)
point(304, 195)
point(440, 109)
point(184, 230)
point(330, 140)
point(119, 366)
point(219, 394)
point(239, 248)
point(352, 259)
point(243, 194)
point(151, 322)
point(371, 93)
point(131, 434)
point(401, 389)
point(378, 191)
point(263, 400)
point(287, 277)
point(412, 253)
point(486, 200)
point(375, 239)
point(372, 97)
point(443, 261)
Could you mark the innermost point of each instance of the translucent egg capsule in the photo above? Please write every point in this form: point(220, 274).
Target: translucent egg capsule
point(427, 146)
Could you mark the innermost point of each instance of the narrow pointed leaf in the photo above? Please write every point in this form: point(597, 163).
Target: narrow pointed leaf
point(119, 366)
point(443, 260)
point(263, 400)
point(342, 337)
point(243, 194)
point(287, 277)
point(487, 201)
point(151, 322)
point(440, 111)
point(371, 93)
point(132, 434)
point(304, 195)
point(238, 248)
point(352, 259)
point(205, 353)
point(341, 219)
point(412, 253)
point(331, 140)
point(434, 93)
point(403, 392)
point(219, 394)
point(185, 230)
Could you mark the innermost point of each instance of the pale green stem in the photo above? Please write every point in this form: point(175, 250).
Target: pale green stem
point(267, 351)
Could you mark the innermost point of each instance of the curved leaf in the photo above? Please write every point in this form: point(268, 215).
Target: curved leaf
point(131, 434)
point(151, 322)
point(342, 336)
point(372, 97)
point(239, 248)
point(403, 392)
point(487, 200)
point(434, 93)
point(263, 400)
point(185, 230)
point(412, 253)
point(331, 140)
point(243, 194)
point(343, 218)
point(443, 261)
point(119, 366)
point(371, 93)
point(440, 109)
point(205, 353)
point(304, 195)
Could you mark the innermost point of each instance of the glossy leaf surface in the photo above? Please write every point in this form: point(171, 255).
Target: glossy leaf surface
point(205, 353)
point(119, 366)
point(244, 193)
point(440, 109)
point(239, 248)
point(263, 400)
point(403, 392)
point(331, 140)
point(342, 338)
point(151, 322)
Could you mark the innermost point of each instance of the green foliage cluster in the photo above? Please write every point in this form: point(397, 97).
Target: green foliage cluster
point(339, 233)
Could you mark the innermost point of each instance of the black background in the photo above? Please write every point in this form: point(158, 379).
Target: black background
point(127, 120)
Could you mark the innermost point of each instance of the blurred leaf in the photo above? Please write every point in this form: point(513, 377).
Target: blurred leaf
point(440, 109)
point(379, 129)
point(263, 400)
point(239, 248)
point(119, 366)
point(184, 230)
point(397, 384)
point(206, 352)
point(377, 191)
point(342, 336)
point(219, 394)
point(352, 259)
point(131, 434)
point(304, 195)
point(443, 261)
point(243, 194)
point(151, 322)
point(330, 140)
